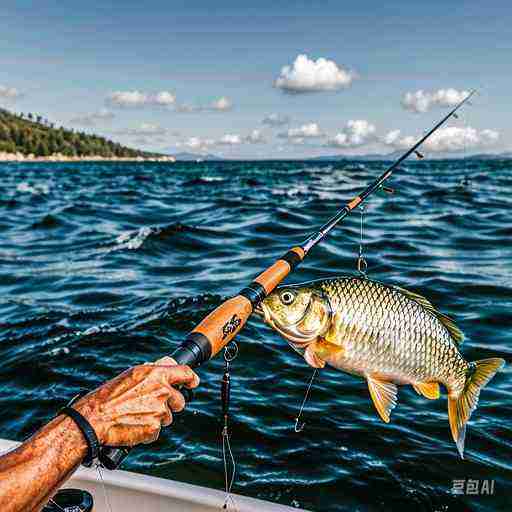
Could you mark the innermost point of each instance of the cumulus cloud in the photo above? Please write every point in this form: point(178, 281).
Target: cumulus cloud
point(230, 140)
point(422, 101)
point(255, 137)
point(355, 133)
point(308, 131)
point(308, 75)
point(164, 98)
point(138, 99)
point(446, 140)
point(196, 143)
point(144, 129)
point(275, 120)
point(9, 93)
point(221, 104)
point(94, 118)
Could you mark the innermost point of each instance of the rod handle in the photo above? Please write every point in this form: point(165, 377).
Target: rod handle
point(217, 329)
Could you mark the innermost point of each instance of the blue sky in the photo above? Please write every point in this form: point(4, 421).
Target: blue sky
point(103, 66)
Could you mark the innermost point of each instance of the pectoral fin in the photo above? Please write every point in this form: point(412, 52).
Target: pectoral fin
point(429, 390)
point(312, 358)
point(383, 395)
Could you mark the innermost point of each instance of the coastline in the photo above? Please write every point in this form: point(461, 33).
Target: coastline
point(20, 157)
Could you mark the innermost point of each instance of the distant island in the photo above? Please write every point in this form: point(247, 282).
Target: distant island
point(391, 157)
point(30, 137)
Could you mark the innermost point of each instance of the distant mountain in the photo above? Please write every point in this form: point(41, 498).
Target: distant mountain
point(485, 156)
point(191, 157)
point(32, 134)
point(375, 156)
point(397, 154)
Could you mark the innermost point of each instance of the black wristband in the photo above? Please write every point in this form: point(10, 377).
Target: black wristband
point(93, 444)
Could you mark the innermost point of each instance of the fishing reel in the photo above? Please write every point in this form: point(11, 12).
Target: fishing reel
point(70, 500)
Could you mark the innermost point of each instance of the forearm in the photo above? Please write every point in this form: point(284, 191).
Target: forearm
point(32, 474)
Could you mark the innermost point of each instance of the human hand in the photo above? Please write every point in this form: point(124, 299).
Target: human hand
point(132, 408)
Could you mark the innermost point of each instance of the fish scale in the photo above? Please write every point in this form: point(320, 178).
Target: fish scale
point(392, 332)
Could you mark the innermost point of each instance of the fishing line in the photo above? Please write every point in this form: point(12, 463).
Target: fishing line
point(300, 427)
point(53, 502)
point(362, 265)
point(230, 354)
point(104, 487)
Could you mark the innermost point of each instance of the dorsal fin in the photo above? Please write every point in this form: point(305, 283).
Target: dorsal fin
point(450, 325)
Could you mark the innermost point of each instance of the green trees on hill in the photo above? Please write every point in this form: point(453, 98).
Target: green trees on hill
point(32, 134)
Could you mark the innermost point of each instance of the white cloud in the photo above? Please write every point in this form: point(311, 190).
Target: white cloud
point(275, 120)
point(221, 104)
point(144, 129)
point(164, 98)
point(9, 93)
point(230, 140)
point(355, 133)
point(137, 99)
point(310, 130)
point(422, 101)
point(446, 140)
point(255, 137)
point(196, 143)
point(306, 75)
point(94, 118)
point(127, 99)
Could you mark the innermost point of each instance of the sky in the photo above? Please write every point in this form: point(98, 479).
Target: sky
point(266, 79)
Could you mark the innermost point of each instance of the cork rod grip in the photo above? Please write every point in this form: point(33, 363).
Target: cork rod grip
point(224, 323)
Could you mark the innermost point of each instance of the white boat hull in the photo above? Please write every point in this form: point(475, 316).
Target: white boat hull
point(132, 492)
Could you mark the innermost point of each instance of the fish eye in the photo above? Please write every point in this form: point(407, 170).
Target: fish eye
point(287, 298)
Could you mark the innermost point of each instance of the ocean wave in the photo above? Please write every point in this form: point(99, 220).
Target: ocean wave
point(133, 240)
point(35, 189)
point(202, 180)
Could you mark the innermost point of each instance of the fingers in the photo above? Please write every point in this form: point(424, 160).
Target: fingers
point(129, 434)
point(176, 401)
point(180, 376)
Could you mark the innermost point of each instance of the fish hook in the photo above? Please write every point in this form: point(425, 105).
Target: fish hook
point(300, 427)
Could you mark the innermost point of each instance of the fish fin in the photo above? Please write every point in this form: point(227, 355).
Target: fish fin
point(311, 357)
point(331, 336)
point(461, 407)
point(429, 390)
point(449, 323)
point(383, 395)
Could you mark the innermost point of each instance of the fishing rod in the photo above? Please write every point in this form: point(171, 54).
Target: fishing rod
point(219, 327)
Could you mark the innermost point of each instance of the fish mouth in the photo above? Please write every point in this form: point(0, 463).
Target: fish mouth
point(297, 339)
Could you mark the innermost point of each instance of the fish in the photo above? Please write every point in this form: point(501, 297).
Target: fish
point(385, 334)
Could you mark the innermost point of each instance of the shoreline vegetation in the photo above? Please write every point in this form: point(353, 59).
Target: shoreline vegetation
point(58, 157)
point(32, 138)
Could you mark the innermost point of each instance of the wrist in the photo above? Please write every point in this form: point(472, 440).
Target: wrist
point(92, 415)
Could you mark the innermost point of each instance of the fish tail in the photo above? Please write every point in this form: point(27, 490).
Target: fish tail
point(461, 407)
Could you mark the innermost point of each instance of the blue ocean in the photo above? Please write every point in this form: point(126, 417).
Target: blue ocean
point(107, 265)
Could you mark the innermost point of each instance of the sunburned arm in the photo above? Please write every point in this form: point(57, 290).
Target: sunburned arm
point(126, 411)
point(32, 473)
